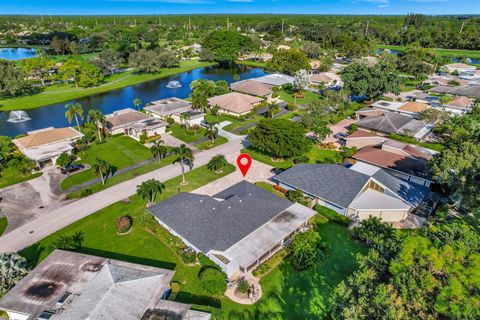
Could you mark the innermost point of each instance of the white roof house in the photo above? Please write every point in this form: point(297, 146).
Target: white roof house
point(460, 68)
point(75, 286)
point(276, 79)
point(174, 108)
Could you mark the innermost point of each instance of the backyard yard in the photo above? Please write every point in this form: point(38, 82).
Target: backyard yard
point(290, 99)
point(188, 136)
point(287, 293)
point(119, 151)
point(11, 176)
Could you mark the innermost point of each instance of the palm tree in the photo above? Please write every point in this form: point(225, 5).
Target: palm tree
point(137, 103)
point(101, 168)
point(149, 189)
point(217, 163)
point(183, 154)
point(212, 133)
point(96, 117)
point(74, 111)
point(159, 150)
point(13, 268)
point(273, 109)
point(185, 117)
point(215, 110)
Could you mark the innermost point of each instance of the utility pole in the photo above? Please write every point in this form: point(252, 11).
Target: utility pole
point(283, 25)
point(463, 25)
point(228, 24)
point(114, 21)
point(366, 29)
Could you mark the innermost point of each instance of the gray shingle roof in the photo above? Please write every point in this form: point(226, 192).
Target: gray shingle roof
point(209, 224)
point(389, 122)
point(330, 182)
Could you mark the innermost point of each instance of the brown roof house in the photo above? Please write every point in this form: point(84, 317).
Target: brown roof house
point(134, 124)
point(75, 286)
point(174, 108)
point(402, 160)
point(235, 103)
point(395, 123)
point(252, 87)
point(45, 145)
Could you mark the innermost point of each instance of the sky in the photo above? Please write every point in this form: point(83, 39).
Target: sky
point(102, 7)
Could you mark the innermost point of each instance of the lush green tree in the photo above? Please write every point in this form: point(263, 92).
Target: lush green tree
point(211, 133)
point(312, 50)
point(97, 118)
point(39, 68)
point(434, 116)
point(109, 61)
point(226, 45)
point(69, 242)
point(137, 103)
point(13, 268)
point(64, 159)
point(372, 81)
point(273, 109)
point(217, 163)
point(357, 48)
point(102, 169)
point(221, 87)
point(82, 73)
point(144, 61)
point(184, 155)
point(13, 80)
point(159, 150)
point(279, 138)
point(213, 281)
point(74, 111)
point(149, 189)
point(288, 61)
point(305, 249)
point(295, 195)
point(378, 235)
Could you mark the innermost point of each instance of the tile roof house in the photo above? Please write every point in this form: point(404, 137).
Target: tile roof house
point(391, 122)
point(174, 108)
point(401, 160)
point(465, 91)
point(458, 105)
point(75, 286)
point(235, 103)
point(134, 123)
point(411, 108)
point(354, 193)
point(329, 79)
point(45, 145)
point(236, 228)
point(252, 87)
point(276, 79)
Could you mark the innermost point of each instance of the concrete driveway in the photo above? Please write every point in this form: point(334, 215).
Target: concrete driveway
point(339, 127)
point(53, 220)
point(29, 200)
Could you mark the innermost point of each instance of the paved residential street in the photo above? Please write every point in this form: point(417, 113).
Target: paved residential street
point(60, 217)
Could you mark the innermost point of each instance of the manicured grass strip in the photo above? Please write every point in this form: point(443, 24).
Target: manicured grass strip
point(255, 64)
point(268, 187)
point(119, 151)
point(65, 92)
point(122, 177)
point(208, 144)
point(3, 224)
point(180, 132)
point(472, 54)
point(290, 99)
point(10, 177)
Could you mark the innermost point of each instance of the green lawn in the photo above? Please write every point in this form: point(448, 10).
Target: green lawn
point(473, 54)
point(10, 176)
point(180, 132)
point(119, 151)
point(255, 64)
point(64, 92)
point(429, 145)
point(267, 186)
point(209, 145)
point(287, 294)
point(3, 224)
point(315, 155)
point(290, 99)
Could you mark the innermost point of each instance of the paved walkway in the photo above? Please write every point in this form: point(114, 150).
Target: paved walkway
point(65, 215)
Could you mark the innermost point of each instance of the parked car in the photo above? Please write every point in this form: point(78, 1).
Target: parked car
point(204, 124)
point(340, 135)
point(72, 168)
point(276, 170)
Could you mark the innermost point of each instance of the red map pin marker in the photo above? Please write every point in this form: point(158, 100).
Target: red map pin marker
point(244, 161)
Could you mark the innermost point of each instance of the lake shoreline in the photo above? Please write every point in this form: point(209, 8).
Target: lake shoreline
point(122, 80)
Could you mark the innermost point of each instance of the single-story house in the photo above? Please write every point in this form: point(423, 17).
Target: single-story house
point(399, 159)
point(353, 192)
point(235, 103)
point(360, 139)
point(263, 57)
point(464, 91)
point(45, 145)
point(134, 124)
point(283, 47)
point(75, 286)
point(328, 79)
point(253, 88)
point(411, 108)
point(392, 122)
point(237, 228)
point(460, 68)
point(174, 108)
point(368, 112)
point(458, 105)
point(275, 79)
point(194, 48)
point(444, 81)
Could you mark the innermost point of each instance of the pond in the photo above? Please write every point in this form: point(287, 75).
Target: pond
point(54, 115)
point(17, 53)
